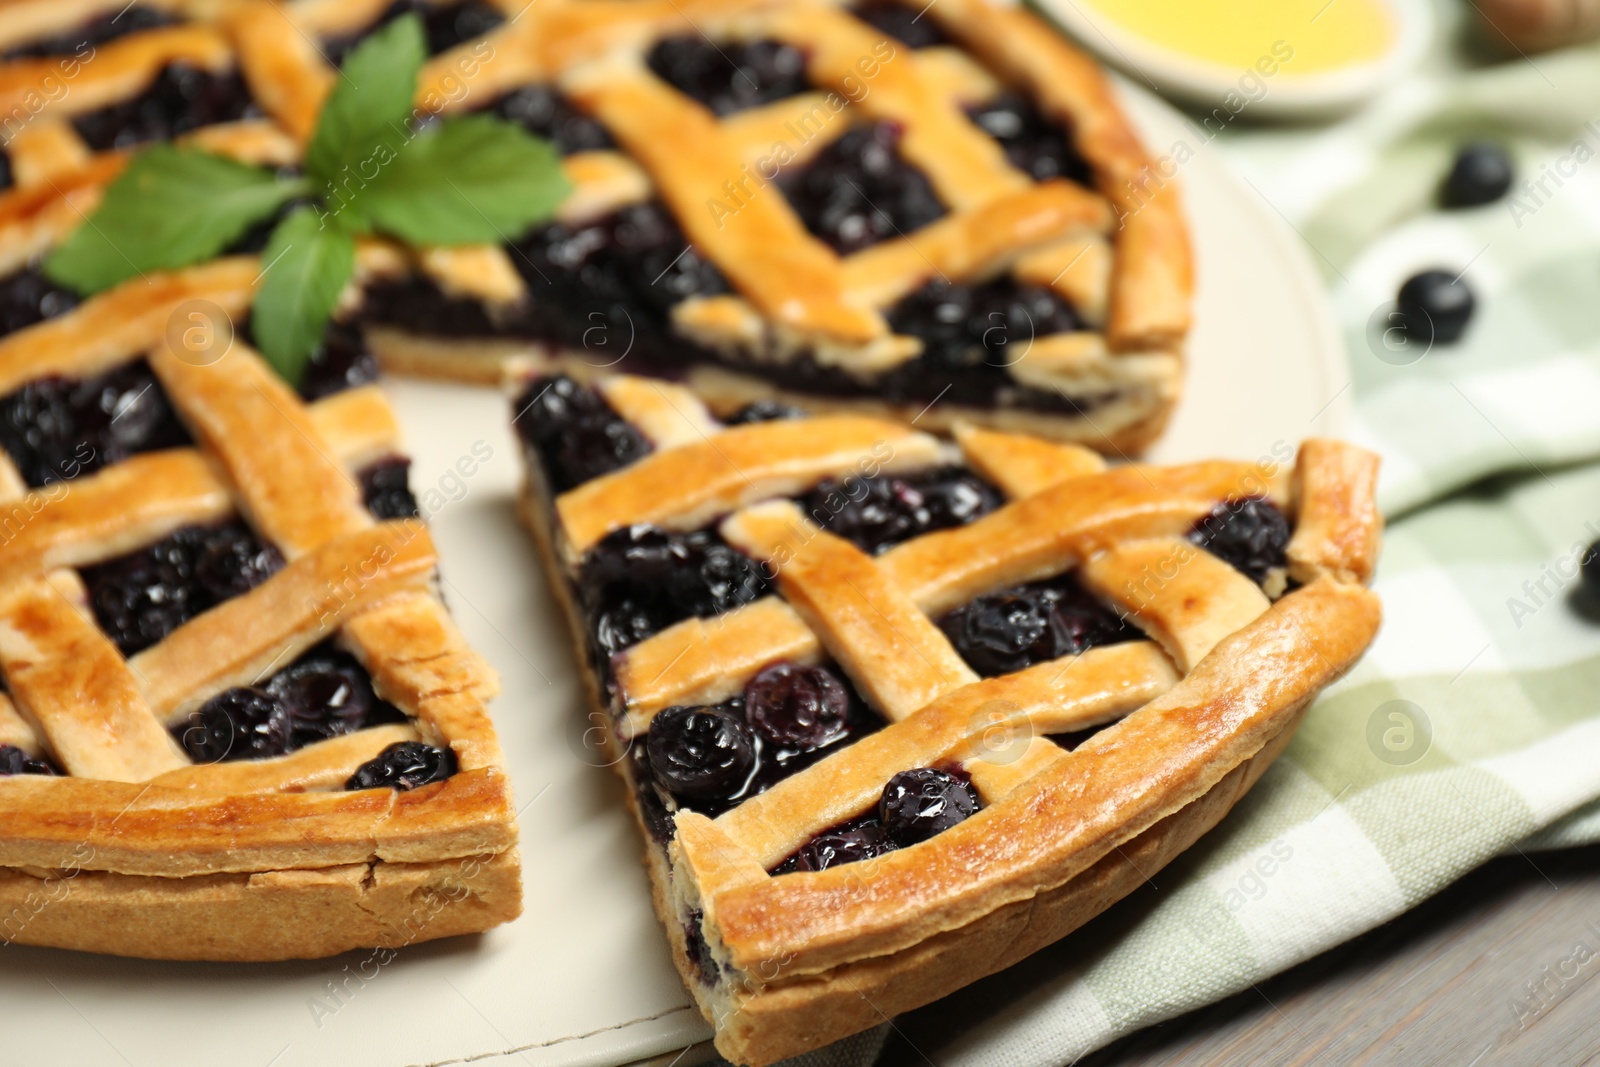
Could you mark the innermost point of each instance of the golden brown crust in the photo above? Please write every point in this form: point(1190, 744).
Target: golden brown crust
point(1195, 715)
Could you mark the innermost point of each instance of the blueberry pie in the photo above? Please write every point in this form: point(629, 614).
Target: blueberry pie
point(896, 712)
point(868, 207)
point(236, 721)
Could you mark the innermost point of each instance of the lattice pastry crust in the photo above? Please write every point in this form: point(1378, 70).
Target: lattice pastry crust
point(139, 851)
point(1118, 254)
point(784, 962)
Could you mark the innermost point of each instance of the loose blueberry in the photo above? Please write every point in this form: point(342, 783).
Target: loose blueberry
point(796, 707)
point(699, 753)
point(1589, 571)
point(922, 802)
point(1250, 534)
point(1481, 174)
point(386, 488)
point(1435, 305)
point(764, 411)
point(404, 765)
point(732, 76)
point(15, 761)
point(237, 724)
point(858, 191)
point(852, 843)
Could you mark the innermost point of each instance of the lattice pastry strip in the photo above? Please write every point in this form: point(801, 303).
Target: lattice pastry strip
point(1074, 762)
point(132, 794)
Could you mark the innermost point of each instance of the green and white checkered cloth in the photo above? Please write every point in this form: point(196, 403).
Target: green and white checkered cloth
point(1473, 725)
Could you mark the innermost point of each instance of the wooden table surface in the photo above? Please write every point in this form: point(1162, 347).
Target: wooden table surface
point(1495, 970)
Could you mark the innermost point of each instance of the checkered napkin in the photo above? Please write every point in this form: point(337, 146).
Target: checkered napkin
point(1473, 725)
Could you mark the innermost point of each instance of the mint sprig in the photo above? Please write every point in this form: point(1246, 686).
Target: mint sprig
point(373, 165)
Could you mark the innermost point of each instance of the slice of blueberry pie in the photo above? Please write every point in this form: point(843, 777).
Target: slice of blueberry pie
point(236, 721)
point(896, 712)
point(870, 206)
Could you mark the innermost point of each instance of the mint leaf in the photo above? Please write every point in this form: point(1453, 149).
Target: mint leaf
point(307, 266)
point(171, 208)
point(365, 116)
point(470, 180)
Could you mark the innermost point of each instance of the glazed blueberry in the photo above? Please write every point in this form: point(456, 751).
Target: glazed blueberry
point(182, 98)
point(327, 694)
point(541, 110)
point(96, 31)
point(443, 26)
point(1250, 534)
point(232, 561)
point(858, 191)
point(699, 753)
point(15, 761)
point(1589, 571)
point(28, 297)
point(1435, 305)
point(963, 327)
point(641, 579)
point(1033, 143)
point(730, 77)
point(764, 411)
point(879, 512)
point(796, 707)
point(576, 433)
point(1012, 630)
point(404, 765)
point(386, 489)
point(905, 24)
point(1480, 174)
point(141, 597)
point(860, 839)
point(236, 724)
point(919, 803)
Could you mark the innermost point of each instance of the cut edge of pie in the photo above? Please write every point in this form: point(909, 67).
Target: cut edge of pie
point(781, 963)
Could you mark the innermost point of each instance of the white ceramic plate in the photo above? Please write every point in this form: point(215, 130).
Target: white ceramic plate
point(583, 978)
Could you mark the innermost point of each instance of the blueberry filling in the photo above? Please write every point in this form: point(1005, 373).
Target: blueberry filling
point(916, 805)
point(28, 297)
point(542, 110)
point(903, 23)
point(694, 939)
point(6, 178)
point(143, 596)
point(59, 428)
point(386, 489)
point(404, 765)
point(1033, 143)
point(732, 76)
point(182, 98)
point(417, 305)
point(443, 26)
point(1009, 631)
point(879, 512)
point(763, 411)
point(641, 579)
point(99, 30)
point(573, 433)
point(15, 761)
point(711, 759)
point(977, 330)
point(858, 191)
point(1249, 534)
point(344, 361)
point(255, 239)
point(324, 694)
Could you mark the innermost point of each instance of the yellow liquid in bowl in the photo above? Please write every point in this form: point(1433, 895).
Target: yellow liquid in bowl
point(1322, 36)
